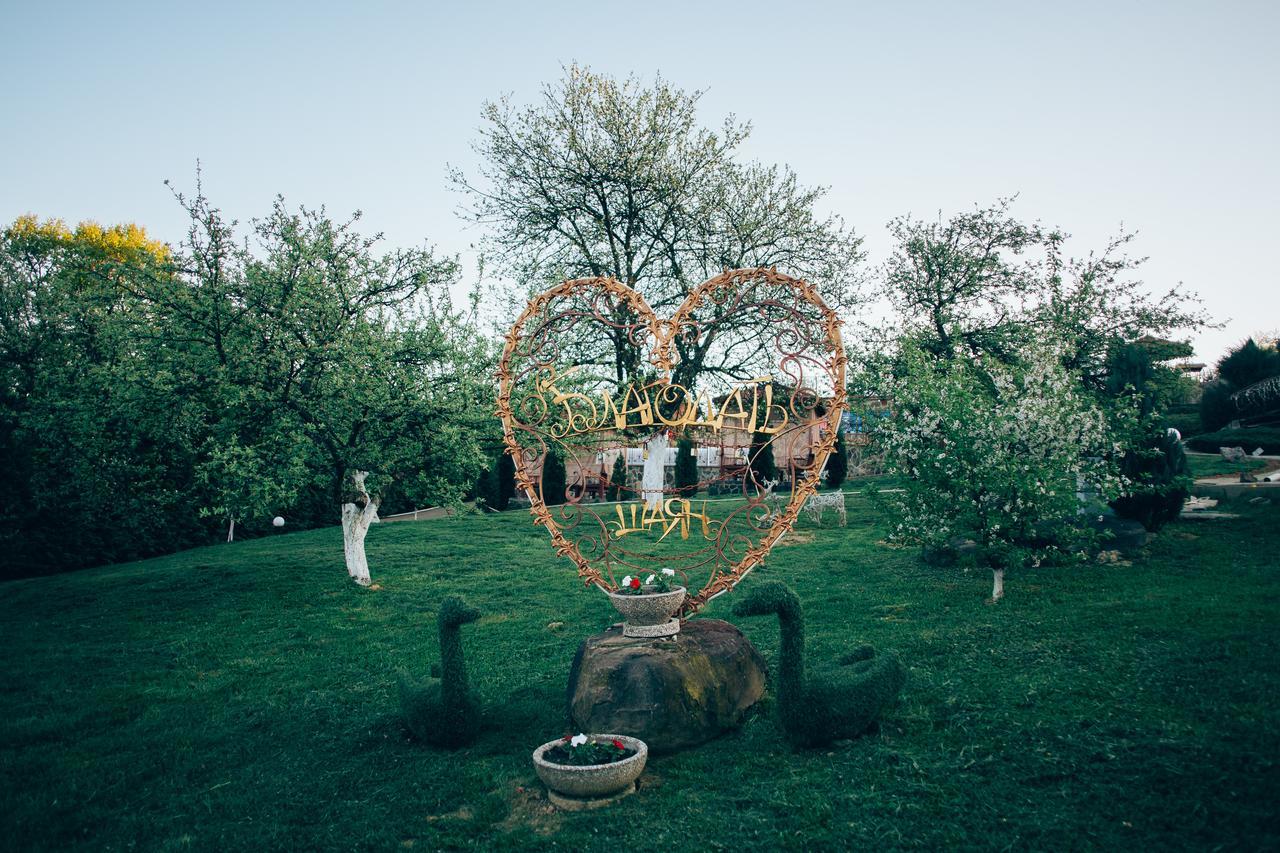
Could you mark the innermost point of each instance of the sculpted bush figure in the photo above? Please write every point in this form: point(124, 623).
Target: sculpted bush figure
point(443, 713)
point(815, 712)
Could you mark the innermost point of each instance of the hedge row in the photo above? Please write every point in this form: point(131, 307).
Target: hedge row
point(1268, 438)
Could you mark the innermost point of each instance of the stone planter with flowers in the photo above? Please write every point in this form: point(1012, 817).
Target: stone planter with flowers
point(648, 607)
point(587, 771)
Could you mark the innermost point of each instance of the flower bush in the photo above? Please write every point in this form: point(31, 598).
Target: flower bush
point(997, 454)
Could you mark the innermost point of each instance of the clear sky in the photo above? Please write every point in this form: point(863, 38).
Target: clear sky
point(1162, 116)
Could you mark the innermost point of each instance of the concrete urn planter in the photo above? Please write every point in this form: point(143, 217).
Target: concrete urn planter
point(587, 786)
point(649, 614)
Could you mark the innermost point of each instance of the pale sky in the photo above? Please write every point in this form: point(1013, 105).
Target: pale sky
point(1162, 116)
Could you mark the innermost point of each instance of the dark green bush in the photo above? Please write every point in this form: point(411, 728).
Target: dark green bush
point(1216, 408)
point(838, 462)
point(1185, 419)
point(553, 483)
point(506, 480)
point(1249, 363)
point(486, 487)
point(1162, 482)
point(762, 464)
point(496, 484)
point(1268, 438)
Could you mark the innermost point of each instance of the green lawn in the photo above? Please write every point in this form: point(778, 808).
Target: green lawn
point(242, 696)
point(1206, 465)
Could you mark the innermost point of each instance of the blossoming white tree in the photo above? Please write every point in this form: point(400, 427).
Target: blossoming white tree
point(996, 454)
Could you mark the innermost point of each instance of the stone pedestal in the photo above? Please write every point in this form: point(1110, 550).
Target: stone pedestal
point(672, 692)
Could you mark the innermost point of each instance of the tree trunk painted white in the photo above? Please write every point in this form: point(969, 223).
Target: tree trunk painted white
point(231, 530)
point(655, 468)
point(356, 518)
point(997, 587)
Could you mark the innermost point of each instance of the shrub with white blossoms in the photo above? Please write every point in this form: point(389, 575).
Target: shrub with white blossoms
point(996, 454)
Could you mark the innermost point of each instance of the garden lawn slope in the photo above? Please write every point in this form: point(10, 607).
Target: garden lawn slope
point(243, 696)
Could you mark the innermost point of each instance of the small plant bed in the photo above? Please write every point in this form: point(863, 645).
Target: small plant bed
point(588, 752)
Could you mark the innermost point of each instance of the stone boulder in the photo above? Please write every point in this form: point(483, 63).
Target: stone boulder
point(673, 692)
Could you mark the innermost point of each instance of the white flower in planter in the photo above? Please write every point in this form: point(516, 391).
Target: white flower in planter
point(578, 740)
point(650, 580)
point(626, 581)
point(669, 572)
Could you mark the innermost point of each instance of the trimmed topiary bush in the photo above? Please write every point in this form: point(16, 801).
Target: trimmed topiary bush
point(815, 712)
point(761, 458)
point(443, 713)
point(686, 473)
point(838, 463)
point(553, 483)
point(618, 478)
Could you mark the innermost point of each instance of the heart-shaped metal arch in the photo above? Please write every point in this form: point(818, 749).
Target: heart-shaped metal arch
point(662, 333)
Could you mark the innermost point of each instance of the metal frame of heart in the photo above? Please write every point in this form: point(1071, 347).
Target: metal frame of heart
point(805, 334)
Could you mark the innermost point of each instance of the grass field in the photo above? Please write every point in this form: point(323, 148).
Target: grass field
point(242, 696)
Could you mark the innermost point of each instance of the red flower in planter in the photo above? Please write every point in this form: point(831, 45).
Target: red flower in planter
point(617, 744)
point(635, 583)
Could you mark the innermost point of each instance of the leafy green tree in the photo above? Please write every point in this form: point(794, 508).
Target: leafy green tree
point(1129, 371)
point(686, 473)
point(243, 483)
point(984, 283)
point(618, 478)
point(147, 386)
point(838, 463)
point(95, 439)
point(312, 332)
point(953, 283)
